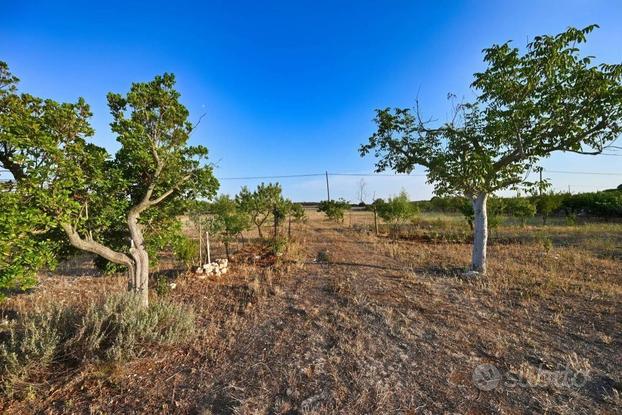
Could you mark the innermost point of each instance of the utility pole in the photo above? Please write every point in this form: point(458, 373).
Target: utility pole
point(327, 186)
point(541, 180)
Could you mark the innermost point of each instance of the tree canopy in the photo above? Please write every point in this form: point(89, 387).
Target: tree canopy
point(528, 105)
point(103, 203)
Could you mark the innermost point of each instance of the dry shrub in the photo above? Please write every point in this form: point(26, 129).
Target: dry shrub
point(114, 329)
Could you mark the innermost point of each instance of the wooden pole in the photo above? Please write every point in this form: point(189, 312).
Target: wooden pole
point(209, 256)
point(200, 243)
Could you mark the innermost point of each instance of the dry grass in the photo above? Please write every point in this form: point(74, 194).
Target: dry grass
point(381, 327)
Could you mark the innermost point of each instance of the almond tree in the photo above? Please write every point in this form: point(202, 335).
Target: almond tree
point(105, 205)
point(528, 105)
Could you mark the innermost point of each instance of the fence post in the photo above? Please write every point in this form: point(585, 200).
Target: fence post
point(209, 257)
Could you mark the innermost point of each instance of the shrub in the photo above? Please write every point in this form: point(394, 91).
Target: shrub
point(334, 209)
point(601, 204)
point(278, 245)
point(397, 211)
point(546, 204)
point(24, 244)
point(322, 257)
point(118, 328)
point(520, 208)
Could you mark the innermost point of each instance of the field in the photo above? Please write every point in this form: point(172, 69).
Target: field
point(347, 322)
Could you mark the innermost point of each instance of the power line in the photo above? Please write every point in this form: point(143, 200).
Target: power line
point(582, 172)
point(287, 176)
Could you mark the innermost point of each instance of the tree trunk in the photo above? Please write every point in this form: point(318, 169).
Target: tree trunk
point(480, 237)
point(141, 259)
point(289, 229)
point(259, 230)
point(90, 245)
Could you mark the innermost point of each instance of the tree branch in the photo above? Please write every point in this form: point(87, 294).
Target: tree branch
point(95, 247)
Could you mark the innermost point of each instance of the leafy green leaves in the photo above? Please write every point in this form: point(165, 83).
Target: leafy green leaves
point(529, 104)
point(61, 181)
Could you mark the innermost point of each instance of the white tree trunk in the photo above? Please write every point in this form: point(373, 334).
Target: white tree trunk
point(141, 259)
point(480, 237)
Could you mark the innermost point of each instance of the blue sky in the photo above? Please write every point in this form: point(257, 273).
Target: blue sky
point(289, 87)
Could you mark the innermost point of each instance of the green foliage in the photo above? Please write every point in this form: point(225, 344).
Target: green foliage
point(397, 210)
point(260, 203)
point(227, 218)
point(297, 213)
point(24, 244)
point(278, 245)
point(547, 203)
point(162, 287)
point(63, 183)
point(115, 329)
point(528, 105)
point(334, 209)
point(600, 204)
point(520, 208)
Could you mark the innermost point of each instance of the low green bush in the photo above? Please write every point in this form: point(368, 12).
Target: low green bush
point(334, 209)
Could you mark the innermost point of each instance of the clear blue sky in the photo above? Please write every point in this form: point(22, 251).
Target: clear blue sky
point(290, 86)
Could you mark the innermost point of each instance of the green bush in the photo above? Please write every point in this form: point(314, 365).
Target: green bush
point(111, 330)
point(397, 211)
point(24, 244)
point(600, 204)
point(520, 208)
point(334, 209)
point(547, 204)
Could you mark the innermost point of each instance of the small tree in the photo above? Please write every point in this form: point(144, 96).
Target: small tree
point(259, 204)
point(521, 208)
point(295, 214)
point(227, 220)
point(375, 207)
point(546, 204)
point(396, 211)
point(334, 209)
point(280, 210)
point(104, 205)
point(528, 105)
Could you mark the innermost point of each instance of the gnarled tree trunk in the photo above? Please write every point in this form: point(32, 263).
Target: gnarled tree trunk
point(141, 258)
point(480, 234)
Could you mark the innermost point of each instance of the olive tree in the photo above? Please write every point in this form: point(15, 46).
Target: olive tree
point(529, 104)
point(104, 204)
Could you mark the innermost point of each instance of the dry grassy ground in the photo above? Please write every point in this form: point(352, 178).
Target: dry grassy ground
point(383, 327)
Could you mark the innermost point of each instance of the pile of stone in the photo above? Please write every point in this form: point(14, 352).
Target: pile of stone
point(217, 268)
